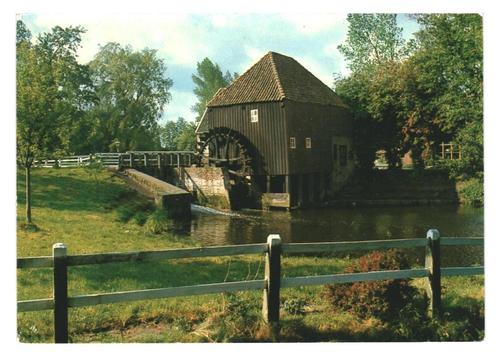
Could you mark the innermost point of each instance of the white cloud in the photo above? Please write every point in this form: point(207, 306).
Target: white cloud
point(315, 22)
point(174, 35)
point(222, 20)
point(253, 54)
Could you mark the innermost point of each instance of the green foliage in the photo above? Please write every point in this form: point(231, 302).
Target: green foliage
point(473, 191)
point(294, 306)
point(94, 170)
point(134, 208)
point(125, 213)
point(132, 89)
point(178, 135)
point(380, 299)
point(29, 334)
point(140, 218)
point(372, 39)
point(238, 321)
point(183, 324)
point(208, 80)
point(51, 90)
point(158, 222)
point(413, 100)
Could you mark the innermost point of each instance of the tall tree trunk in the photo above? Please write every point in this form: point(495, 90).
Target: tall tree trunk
point(28, 194)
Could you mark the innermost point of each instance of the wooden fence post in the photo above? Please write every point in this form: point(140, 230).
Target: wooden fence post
point(271, 294)
point(60, 293)
point(433, 264)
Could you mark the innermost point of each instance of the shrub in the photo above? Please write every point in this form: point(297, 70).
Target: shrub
point(473, 192)
point(379, 299)
point(294, 306)
point(140, 218)
point(124, 213)
point(158, 222)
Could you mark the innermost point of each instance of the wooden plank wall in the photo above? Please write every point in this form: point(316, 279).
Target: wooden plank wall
point(268, 135)
point(320, 123)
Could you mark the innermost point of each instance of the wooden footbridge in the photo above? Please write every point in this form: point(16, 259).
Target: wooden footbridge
point(129, 159)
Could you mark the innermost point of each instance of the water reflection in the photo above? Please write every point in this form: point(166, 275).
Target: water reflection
point(345, 224)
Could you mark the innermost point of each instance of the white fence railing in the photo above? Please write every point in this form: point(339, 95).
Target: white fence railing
point(79, 160)
point(128, 159)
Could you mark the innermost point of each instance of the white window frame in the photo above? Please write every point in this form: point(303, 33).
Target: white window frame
point(254, 116)
point(292, 142)
point(307, 143)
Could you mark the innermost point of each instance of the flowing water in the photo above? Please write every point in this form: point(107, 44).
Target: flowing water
point(345, 224)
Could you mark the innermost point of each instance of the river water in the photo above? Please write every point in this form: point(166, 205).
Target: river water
point(344, 224)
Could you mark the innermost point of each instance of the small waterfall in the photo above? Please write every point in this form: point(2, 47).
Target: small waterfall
point(208, 210)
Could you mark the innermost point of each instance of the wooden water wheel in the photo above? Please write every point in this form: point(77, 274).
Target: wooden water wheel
point(225, 147)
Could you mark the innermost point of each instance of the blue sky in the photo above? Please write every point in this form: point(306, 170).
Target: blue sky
point(234, 41)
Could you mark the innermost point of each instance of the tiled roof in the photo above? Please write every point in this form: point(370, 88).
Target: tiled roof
point(273, 78)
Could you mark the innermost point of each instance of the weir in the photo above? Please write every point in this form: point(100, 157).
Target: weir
point(174, 200)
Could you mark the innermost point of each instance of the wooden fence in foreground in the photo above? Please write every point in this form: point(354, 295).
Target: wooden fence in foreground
point(270, 285)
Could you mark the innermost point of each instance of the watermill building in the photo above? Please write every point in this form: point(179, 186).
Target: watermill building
point(283, 130)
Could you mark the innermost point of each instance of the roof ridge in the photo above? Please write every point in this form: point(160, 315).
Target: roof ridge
point(276, 74)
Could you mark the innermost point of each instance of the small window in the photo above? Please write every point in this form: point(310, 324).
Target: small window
point(343, 159)
point(308, 143)
point(292, 142)
point(335, 152)
point(254, 115)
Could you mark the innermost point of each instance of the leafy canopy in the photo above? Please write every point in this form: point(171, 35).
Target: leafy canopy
point(178, 135)
point(413, 100)
point(52, 91)
point(133, 90)
point(208, 80)
point(372, 40)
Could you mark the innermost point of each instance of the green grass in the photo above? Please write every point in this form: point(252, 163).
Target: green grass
point(84, 209)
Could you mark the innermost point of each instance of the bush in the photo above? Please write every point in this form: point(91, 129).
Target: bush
point(381, 299)
point(473, 192)
point(124, 213)
point(140, 218)
point(294, 306)
point(158, 222)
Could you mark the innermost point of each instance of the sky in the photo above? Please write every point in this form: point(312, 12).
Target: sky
point(234, 41)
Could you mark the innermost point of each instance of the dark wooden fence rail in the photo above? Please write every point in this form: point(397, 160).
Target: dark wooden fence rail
point(271, 284)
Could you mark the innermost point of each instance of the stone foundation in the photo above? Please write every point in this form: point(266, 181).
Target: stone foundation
point(208, 184)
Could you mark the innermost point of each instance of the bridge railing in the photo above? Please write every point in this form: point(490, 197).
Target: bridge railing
point(270, 285)
point(127, 159)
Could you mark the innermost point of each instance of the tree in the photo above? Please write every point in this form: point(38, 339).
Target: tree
point(449, 63)
point(372, 39)
point(409, 101)
point(208, 80)
point(178, 135)
point(187, 138)
point(132, 90)
point(50, 87)
point(374, 49)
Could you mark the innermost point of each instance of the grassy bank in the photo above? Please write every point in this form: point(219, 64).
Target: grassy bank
point(87, 210)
